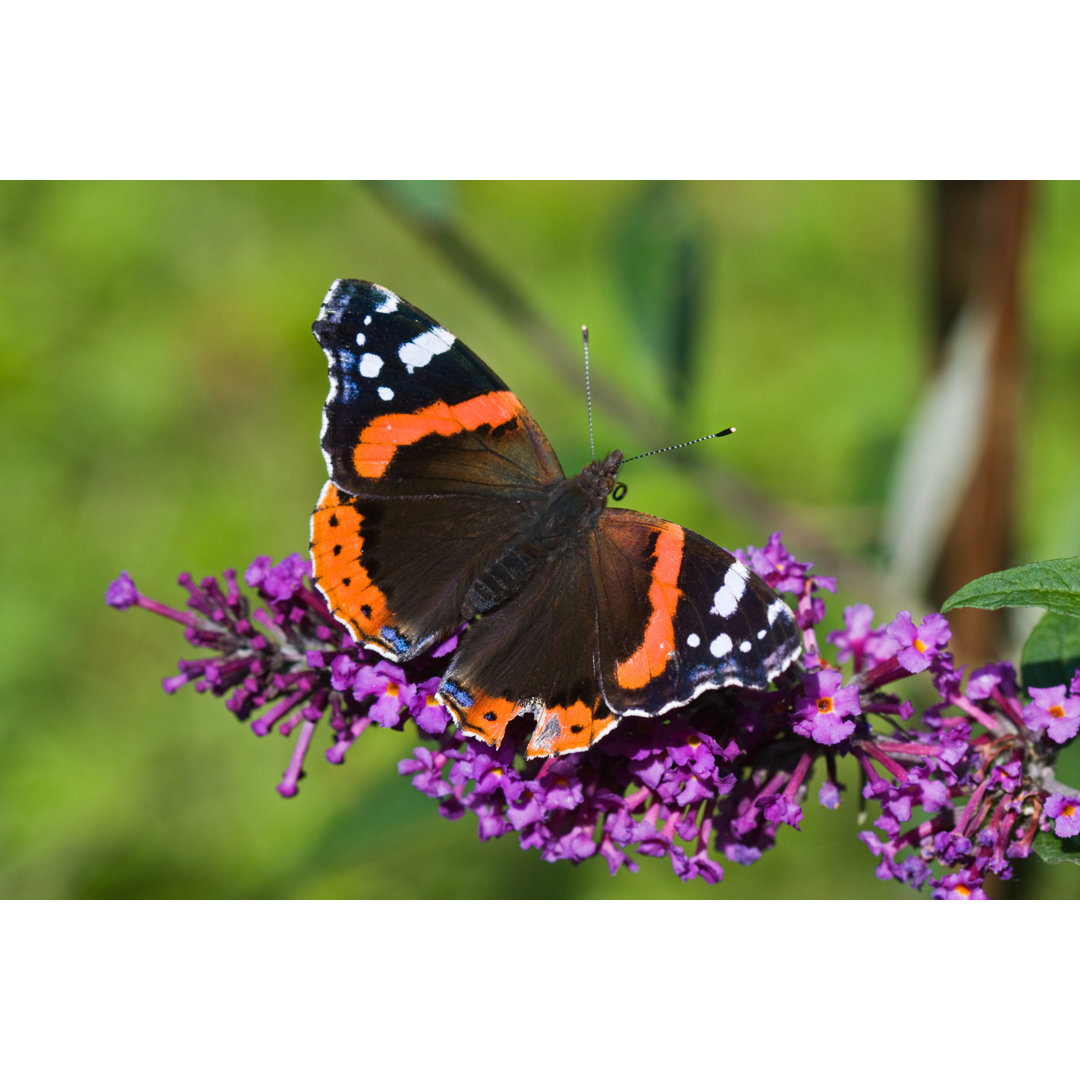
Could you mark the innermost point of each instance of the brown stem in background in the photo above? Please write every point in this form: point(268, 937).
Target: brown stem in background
point(977, 248)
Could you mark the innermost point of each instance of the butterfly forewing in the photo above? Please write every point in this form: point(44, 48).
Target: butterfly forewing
point(413, 411)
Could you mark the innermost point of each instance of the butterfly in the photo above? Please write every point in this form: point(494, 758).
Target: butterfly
point(446, 505)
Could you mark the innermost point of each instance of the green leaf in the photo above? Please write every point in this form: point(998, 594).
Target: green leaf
point(1054, 585)
point(1052, 652)
point(1052, 849)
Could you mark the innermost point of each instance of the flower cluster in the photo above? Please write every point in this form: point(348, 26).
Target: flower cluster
point(962, 788)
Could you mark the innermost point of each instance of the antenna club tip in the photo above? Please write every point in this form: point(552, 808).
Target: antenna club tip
point(727, 431)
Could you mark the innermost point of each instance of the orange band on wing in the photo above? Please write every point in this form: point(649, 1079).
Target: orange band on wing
point(381, 438)
point(650, 659)
point(336, 543)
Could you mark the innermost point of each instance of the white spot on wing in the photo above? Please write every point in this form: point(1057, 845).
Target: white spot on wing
point(370, 365)
point(776, 609)
point(386, 393)
point(693, 641)
point(727, 597)
point(418, 353)
point(720, 646)
point(361, 338)
point(745, 646)
point(389, 303)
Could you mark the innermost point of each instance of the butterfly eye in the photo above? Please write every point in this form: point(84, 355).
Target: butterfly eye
point(618, 492)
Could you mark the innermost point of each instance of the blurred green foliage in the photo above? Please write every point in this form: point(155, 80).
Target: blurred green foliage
point(160, 401)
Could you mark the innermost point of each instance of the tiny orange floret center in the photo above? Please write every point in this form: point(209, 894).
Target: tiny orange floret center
point(1056, 711)
point(825, 705)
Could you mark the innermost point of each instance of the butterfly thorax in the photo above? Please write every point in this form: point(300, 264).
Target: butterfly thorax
point(576, 503)
point(573, 506)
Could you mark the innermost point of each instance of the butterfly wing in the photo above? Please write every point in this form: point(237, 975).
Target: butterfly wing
point(435, 467)
point(536, 654)
point(678, 615)
point(412, 411)
point(640, 617)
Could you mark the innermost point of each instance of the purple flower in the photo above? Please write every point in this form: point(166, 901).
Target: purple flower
point(528, 810)
point(823, 706)
point(559, 786)
point(742, 854)
point(933, 795)
point(918, 645)
point(698, 753)
point(426, 770)
point(775, 565)
point(829, 795)
point(781, 810)
point(857, 642)
point(256, 573)
point(284, 580)
point(492, 770)
point(1051, 711)
point(431, 718)
point(1008, 775)
point(343, 671)
point(121, 593)
point(989, 678)
point(961, 886)
point(950, 847)
point(1064, 811)
point(700, 865)
point(387, 683)
point(957, 784)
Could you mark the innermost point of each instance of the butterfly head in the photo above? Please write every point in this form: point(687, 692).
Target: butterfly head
point(599, 477)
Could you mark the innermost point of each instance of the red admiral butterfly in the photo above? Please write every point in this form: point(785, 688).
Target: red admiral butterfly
point(446, 504)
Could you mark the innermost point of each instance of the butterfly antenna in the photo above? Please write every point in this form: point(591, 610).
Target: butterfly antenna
point(679, 446)
point(588, 391)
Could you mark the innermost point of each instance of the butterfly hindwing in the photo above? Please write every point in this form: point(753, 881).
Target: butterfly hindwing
point(537, 654)
point(703, 620)
point(659, 616)
point(398, 573)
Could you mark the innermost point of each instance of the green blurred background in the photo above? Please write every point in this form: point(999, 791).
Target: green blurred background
point(160, 399)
